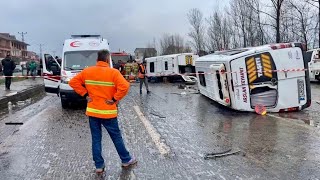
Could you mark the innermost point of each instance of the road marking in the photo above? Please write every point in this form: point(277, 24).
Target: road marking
point(155, 136)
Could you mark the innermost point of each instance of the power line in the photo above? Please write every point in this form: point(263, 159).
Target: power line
point(22, 35)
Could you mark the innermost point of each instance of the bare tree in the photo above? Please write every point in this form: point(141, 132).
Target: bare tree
point(303, 20)
point(316, 4)
point(247, 22)
point(219, 32)
point(275, 14)
point(197, 31)
point(172, 44)
point(277, 4)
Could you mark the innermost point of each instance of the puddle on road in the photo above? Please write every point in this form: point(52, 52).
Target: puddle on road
point(308, 117)
point(14, 107)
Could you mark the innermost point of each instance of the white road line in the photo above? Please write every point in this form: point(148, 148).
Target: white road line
point(155, 136)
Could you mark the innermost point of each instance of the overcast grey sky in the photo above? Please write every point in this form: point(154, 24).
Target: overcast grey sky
point(127, 24)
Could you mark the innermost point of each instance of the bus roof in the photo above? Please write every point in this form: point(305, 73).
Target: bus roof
point(235, 53)
point(171, 55)
point(119, 54)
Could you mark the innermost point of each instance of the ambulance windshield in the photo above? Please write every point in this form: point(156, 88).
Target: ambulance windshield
point(78, 60)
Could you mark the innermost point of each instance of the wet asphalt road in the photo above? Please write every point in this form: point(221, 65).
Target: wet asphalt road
point(56, 144)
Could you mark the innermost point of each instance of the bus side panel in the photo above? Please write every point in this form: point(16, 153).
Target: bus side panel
point(241, 96)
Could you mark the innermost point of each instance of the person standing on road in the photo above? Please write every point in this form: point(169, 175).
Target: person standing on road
point(142, 75)
point(128, 69)
point(103, 87)
point(8, 67)
point(28, 68)
point(33, 68)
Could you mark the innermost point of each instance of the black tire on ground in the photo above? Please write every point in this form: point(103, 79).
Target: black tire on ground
point(64, 104)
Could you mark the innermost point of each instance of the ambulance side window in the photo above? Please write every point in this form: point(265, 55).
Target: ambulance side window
point(202, 78)
point(152, 67)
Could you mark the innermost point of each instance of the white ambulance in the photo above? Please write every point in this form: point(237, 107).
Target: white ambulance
point(79, 52)
point(274, 76)
point(172, 66)
point(314, 64)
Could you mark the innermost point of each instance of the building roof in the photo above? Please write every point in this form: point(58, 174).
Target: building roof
point(144, 49)
point(9, 37)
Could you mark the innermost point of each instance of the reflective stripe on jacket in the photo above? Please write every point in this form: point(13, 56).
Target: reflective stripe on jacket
point(101, 83)
point(135, 68)
point(128, 67)
point(141, 71)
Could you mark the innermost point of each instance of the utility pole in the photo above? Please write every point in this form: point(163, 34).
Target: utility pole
point(22, 35)
point(41, 50)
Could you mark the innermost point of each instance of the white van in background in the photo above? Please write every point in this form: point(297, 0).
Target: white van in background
point(313, 56)
point(79, 52)
point(172, 66)
point(274, 76)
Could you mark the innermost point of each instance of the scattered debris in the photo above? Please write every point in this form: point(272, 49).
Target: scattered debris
point(15, 131)
point(13, 123)
point(181, 86)
point(183, 93)
point(155, 114)
point(222, 154)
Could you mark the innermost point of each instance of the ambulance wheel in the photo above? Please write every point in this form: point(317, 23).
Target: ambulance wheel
point(64, 104)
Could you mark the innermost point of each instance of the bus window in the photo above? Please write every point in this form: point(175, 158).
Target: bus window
point(202, 78)
point(152, 67)
point(166, 65)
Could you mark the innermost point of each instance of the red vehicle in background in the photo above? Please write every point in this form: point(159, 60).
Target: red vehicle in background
point(119, 59)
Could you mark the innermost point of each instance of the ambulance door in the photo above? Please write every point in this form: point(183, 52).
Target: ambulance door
point(51, 70)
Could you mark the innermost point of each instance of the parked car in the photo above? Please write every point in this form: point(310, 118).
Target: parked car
point(18, 68)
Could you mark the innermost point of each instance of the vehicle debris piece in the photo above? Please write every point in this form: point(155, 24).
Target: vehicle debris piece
point(13, 123)
point(222, 154)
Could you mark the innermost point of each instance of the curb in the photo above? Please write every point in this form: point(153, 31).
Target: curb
point(22, 95)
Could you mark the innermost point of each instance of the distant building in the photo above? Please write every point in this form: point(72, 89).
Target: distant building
point(32, 55)
point(9, 43)
point(141, 53)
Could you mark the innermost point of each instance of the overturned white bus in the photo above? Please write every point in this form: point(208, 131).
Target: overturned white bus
point(275, 76)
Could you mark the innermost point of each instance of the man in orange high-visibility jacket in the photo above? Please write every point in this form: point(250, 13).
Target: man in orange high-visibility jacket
point(142, 75)
point(103, 87)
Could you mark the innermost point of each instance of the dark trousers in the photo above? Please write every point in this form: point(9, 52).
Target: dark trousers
point(145, 82)
point(113, 129)
point(8, 82)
